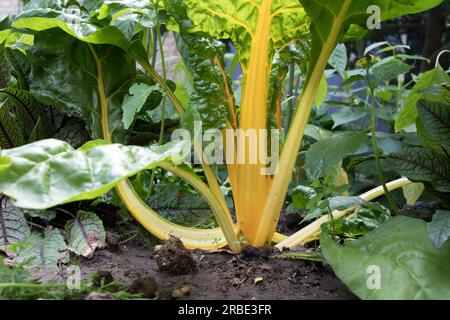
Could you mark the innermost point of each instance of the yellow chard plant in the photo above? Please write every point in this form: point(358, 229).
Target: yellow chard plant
point(37, 175)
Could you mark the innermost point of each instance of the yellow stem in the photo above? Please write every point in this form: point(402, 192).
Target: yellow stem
point(311, 231)
point(294, 138)
point(253, 185)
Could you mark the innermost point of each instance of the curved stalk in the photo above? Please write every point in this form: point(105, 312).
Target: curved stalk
point(208, 239)
point(311, 231)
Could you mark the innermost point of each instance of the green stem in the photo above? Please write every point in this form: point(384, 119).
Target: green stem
point(163, 107)
point(376, 151)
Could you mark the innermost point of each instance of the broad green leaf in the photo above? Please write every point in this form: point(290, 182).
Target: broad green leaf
point(5, 162)
point(318, 161)
point(50, 172)
point(412, 192)
point(85, 234)
point(423, 165)
point(13, 226)
point(408, 114)
point(389, 69)
point(135, 100)
point(71, 18)
point(238, 20)
point(439, 228)
point(38, 252)
point(395, 261)
point(436, 119)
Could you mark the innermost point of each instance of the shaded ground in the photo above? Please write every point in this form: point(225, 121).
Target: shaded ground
point(224, 276)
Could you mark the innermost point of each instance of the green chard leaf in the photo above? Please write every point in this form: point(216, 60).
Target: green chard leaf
point(212, 98)
point(85, 234)
point(50, 172)
point(395, 261)
point(237, 20)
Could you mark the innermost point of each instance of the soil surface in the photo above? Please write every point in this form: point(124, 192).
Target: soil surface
point(251, 275)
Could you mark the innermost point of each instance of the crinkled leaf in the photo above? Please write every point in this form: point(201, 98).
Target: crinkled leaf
point(439, 228)
point(85, 234)
point(318, 161)
point(212, 96)
point(73, 132)
point(423, 165)
point(68, 16)
point(238, 20)
point(50, 172)
point(363, 221)
point(43, 252)
point(401, 254)
point(436, 119)
point(13, 226)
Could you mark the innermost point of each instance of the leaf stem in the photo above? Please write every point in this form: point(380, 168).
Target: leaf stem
point(376, 150)
point(164, 103)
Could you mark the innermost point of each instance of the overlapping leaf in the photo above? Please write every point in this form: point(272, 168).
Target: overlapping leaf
point(238, 20)
point(436, 119)
point(13, 226)
point(50, 172)
point(45, 251)
point(85, 234)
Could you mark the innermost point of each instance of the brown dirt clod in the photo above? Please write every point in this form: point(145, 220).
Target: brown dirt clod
point(174, 258)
